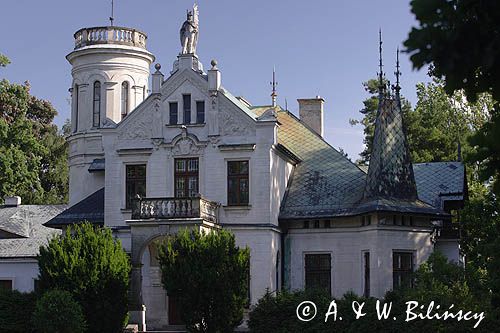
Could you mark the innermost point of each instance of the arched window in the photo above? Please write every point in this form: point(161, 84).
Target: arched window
point(96, 114)
point(124, 99)
point(76, 101)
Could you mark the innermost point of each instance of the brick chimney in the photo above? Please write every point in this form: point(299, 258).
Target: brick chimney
point(12, 201)
point(311, 113)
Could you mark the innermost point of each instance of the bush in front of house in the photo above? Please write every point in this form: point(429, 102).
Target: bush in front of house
point(208, 275)
point(15, 311)
point(57, 312)
point(436, 280)
point(92, 266)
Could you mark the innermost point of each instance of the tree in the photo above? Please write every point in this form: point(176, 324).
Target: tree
point(16, 309)
point(93, 267)
point(57, 312)
point(208, 275)
point(460, 39)
point(33, 153)
point(4, 61)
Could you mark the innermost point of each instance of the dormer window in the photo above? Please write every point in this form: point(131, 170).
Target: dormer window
point(96, 111)
point(124, 107)
point(186, 107)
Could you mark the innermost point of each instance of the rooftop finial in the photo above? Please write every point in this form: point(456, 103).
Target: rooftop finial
point(111, 18)
point(397, 73)
point(274, 84)
point(381, 72)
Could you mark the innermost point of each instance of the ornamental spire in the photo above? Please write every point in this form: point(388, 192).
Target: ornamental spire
point(381, 71)
point(397, 87)
point(274, 94)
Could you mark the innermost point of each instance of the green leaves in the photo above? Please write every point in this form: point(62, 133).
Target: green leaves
point(208, 275)
point(33, 155)
point(93, 267)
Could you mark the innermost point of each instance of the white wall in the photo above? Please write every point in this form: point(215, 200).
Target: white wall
point(23, 272)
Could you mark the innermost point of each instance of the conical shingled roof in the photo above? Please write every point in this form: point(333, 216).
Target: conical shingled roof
point(390, 172)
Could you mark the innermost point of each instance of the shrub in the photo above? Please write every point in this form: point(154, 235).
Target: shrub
point(57, 312)
point(94, 269)
point(15, 311)
point(208, 275)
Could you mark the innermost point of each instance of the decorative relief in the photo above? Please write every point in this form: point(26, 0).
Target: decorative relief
point(139, 129)
point(229, 124)
point(185, 146)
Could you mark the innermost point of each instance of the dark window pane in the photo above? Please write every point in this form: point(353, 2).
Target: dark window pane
point(96, 112)
point(173, 113)
point(135, 183)
point(186, 177)
point(318, 271)
point(402, 269)
point(186, 105)
point(200, 112)
point(5, 284)
point(237, 183)
point(124, 105)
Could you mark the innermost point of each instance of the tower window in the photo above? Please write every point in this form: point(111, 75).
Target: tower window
point(76, 101)
point(96, 112)
point(402, 269)
point(173, 113)
point(318, 271)
point(366, 264)
point(124, 99)
point(186, 106)
point(200, 112)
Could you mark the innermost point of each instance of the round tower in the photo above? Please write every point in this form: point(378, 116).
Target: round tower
point(110, 70)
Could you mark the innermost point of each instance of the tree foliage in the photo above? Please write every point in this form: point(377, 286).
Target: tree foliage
point(33, 153)
point(369, 112)
point(57, 312)
point(4, 61)
point(16, 309)
point(208, 275)
point(94, 268)
point(460, 39)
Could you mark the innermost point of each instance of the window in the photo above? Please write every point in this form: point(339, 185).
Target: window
point(75, 91)
point(186, 105)
point(366, 220)
point(402, 268)
point(237, 183)
point(124, 99)
point(173, 113)
point(200, 112)
point(143, 92)
point(135, 183)
point(96, 113)
point(318, 271)
point(186, 177)
point(153, 255)
point(5, 284)
point(366, 266)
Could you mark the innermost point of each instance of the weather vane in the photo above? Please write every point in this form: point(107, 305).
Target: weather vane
point(111, 18)
point(274, 84)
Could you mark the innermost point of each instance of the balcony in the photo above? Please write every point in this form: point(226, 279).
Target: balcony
point(175, 208)
point(110, 35)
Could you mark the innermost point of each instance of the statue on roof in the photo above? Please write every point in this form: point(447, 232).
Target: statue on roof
point(189, 32)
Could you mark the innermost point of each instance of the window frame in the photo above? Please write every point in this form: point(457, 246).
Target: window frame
point(7, 279)
point(96, 101)
point(186, 112)
point(198, 113)
point(77, 103)
point(124, 101)
point(171, 113)
point(366, 269)
point(238, 177)
point(129, 201)
point(400, 273)
point(318, 270)
point(186, 175)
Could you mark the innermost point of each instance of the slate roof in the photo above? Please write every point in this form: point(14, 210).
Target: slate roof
point(439, 181)
point(90, 209)
point(327, 184)
point(25, 223)
point(97, 164)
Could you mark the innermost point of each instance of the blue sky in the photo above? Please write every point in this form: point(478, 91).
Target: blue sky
point(319, 47)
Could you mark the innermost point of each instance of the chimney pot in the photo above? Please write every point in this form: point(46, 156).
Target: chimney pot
point(13, 201)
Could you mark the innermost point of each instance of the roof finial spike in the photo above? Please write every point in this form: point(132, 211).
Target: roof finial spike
point(397, 73)
point(381, 72)
point(111, 18)
point(274, 84)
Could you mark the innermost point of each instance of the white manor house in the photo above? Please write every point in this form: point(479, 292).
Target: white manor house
point(152, 153)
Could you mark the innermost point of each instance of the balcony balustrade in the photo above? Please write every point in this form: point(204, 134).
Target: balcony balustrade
point(110, 35)
point(175, 208)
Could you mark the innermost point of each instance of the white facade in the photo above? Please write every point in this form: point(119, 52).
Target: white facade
point(231, 130)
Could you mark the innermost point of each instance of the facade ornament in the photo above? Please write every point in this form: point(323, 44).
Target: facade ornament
point(189, 32)
point(185, 146)
point(157, 142)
